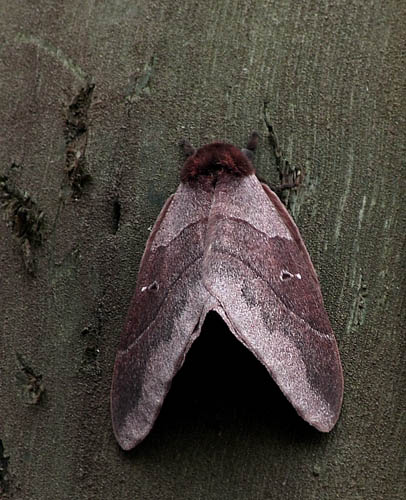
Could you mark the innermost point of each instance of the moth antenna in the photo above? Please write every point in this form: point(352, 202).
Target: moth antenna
point(187, 147)
point(251, 146)
point(253, 141)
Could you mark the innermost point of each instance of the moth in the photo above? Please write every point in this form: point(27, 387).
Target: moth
point(224, 242)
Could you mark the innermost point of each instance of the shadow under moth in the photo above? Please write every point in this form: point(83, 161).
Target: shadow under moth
point(224, 242)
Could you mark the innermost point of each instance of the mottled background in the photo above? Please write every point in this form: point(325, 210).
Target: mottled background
point(94, 97)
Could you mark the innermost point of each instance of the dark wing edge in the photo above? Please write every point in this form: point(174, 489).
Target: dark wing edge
point(335, 355)
point(284, 325)
point(289, 222)
point(292, 377)
point(162, 323)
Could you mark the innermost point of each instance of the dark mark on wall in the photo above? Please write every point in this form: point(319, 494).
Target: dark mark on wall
point(140, 85)
point(116, 215)
point(25, 219)
point(289, 177)
point(4, 475)
point(90, 357)
point(76, 135)
point(32, 388)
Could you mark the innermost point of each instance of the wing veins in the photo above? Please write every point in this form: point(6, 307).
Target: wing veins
point(236, 257)
point(144, 331)
point(179, 233)
point(245, 222)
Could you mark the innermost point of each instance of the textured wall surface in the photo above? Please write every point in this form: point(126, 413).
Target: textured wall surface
point(94, 97)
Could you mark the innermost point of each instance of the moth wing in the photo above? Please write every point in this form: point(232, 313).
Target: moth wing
point(257, 267)
point(163, 318)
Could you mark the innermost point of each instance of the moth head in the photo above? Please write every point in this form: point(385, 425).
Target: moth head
point(210, 162)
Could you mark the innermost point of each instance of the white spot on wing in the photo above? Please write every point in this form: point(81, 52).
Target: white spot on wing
point(152, 287)
point(260, 212)
point(287, 275)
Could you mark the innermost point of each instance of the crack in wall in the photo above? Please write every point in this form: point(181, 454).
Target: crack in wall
point(76, 136)
point(289, 177)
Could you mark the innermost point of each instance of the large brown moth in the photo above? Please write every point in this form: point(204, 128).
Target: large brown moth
point(224, 242)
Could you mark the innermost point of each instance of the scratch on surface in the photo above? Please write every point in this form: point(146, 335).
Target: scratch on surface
point(362, 211)
point(344, 197)
point(358, 312)
point(141, 85)
point(55, 52)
